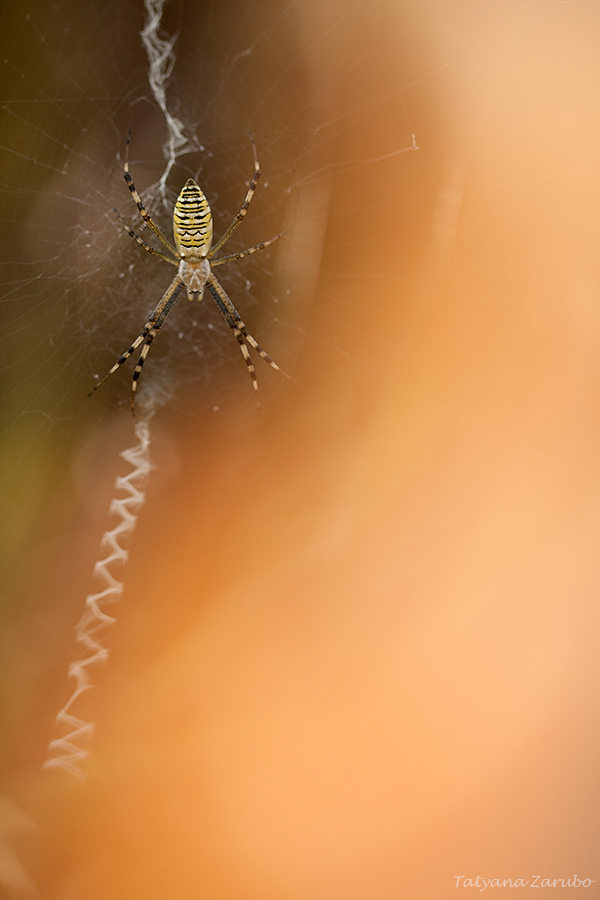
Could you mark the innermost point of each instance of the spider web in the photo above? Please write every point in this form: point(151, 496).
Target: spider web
point(190, 83)
point(425, 159)
point(72, 237)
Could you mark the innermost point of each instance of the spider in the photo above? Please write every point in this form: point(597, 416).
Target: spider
point(193, 256)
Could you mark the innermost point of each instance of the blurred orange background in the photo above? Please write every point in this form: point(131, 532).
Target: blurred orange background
point(357, 652)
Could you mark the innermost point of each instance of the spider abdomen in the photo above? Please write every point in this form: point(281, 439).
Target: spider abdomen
point(192, 222)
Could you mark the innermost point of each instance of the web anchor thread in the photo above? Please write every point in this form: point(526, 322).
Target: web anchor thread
point(161, 60)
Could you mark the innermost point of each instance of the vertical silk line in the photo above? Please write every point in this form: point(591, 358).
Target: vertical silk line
point(161, 60)
point(68, 751)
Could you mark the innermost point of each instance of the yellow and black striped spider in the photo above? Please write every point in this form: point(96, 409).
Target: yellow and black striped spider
point(192, 254)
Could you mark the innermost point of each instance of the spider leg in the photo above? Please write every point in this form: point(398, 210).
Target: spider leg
point(244, 207)
point(243, 253)
point(238, 336)
point(246, 354)
point(147, 334)
point(138, 201)
point(233, 319)
point(142, 242)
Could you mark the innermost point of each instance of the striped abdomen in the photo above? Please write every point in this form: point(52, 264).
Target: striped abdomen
point(192, 222)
